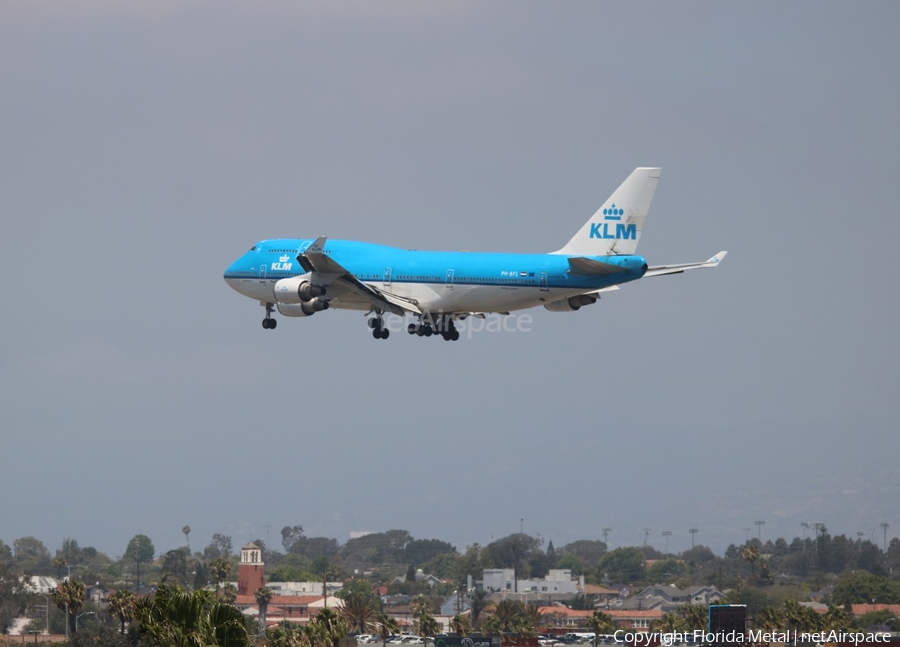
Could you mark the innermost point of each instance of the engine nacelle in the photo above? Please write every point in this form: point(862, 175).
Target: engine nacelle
point(297, 289)
point(305, 309)
point(571, 304)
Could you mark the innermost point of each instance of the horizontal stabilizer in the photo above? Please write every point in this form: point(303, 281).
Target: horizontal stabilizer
point(589, 267)
point(659, 270)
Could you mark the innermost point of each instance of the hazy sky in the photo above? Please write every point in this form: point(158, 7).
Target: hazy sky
point(145, 146)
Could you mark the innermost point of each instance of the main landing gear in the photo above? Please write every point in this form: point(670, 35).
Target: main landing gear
point(378, 330)
point(268, 323)
point(443, 326)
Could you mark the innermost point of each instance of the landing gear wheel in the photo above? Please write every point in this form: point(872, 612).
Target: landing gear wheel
point(269, 323)
point(385, 333)
point(411, 329)
point(454, 335)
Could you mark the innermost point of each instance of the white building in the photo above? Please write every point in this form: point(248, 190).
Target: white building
point(558, 582)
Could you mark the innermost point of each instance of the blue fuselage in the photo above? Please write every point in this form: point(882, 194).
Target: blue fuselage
point(449, 281)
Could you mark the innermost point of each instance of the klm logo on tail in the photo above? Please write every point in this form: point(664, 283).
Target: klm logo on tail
point(621, 231)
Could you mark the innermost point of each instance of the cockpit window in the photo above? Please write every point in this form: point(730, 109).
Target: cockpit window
point(253, 249)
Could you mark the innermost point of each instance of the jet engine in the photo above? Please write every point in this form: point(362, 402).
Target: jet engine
point(305, 309)
point(571, 304)
point(297, 289)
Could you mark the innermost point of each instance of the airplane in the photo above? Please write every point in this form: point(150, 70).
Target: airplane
point(299, 277)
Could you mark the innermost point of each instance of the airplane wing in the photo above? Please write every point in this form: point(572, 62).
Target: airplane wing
point(659, 270)
point(314, 259)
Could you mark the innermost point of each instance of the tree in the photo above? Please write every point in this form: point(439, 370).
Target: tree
point(219, 569)
point(31, 555)
point(769, 619)
point(329, 626)
point(69, 597)
point(121, 605)
point(622, 565)
point(508, 611)
point(461, 625)
point(571, 562)
point(493, 626)
point(865, 588)
point(172, 617)
point(220, 546)
point(696, 616)
point(476, 605)
point(420, 551)
point(666, 570)
point(589, 552)
point(836, 619)
point(387, 626)
point(750, 553)
point(13, 597)
point(360, 605)
point(290, 536)
point(140, 550)
point(602, 623)
point(186, 531)
point(70, 552)
point(670, 623)
point(263, 595)
point(174, 566)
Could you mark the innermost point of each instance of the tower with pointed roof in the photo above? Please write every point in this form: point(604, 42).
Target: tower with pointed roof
point(251, 570)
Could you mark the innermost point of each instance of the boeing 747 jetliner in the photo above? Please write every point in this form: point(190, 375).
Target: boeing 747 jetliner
point(300, 277)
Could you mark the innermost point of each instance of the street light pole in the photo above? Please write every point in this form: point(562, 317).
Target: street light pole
point(86, 613)
point(760, 524)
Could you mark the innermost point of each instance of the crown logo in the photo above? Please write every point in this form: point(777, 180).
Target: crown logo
point(613, 211)
point(285, 258)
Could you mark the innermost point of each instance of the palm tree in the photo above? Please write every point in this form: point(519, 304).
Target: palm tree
point(493, 626)
point(670, 623)
point(769, 619)
point(60, 563)
point(359, 613)
point(479, 600)
point(229, 593)
point(263, 595)
point(523, 628)
point(696, 616)
point(601, 623)
point(426, 626)
point(387, 626)
point(121, 605)
point(508, 611)
point(69, 596)
point(836, 619)
point(172, 617)
point(219, 568)
point(750, 553)
point(330, 626)
point(534, 615)
point(186, 531)
point(460, 624)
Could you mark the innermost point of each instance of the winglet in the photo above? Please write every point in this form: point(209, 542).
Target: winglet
point(715, 260)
